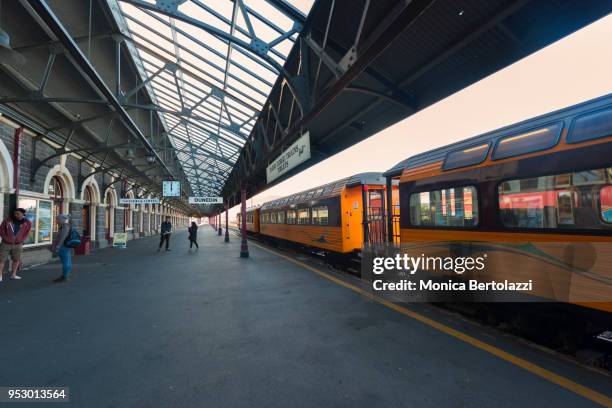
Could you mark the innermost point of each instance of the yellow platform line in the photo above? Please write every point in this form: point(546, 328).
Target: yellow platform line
point(564, 382)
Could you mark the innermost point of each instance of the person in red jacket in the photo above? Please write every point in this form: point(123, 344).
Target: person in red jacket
point(13, 231)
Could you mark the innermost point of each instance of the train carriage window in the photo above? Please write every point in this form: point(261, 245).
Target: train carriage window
point(451, 207)
point(565, 205)
point(528, 142)
point(546, 203)
point(320, 215)
point(291, 216)
point(280, 217)
point(591, 126)
point(605, 201)
point(466, 157)
point(303, 216)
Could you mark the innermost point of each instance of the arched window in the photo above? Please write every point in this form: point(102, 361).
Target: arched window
point(56, 192)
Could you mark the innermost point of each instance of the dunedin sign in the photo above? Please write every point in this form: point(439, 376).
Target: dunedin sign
point(295, 155)
point(205, 200)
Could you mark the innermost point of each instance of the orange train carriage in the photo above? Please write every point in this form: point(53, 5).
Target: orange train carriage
point(252, 220)
point(337, 217)
point(537, 195)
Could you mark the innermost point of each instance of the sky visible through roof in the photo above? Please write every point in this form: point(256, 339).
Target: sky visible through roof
point(209, 91)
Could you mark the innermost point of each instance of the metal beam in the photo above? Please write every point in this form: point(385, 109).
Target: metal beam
point(44, 12)
point(288, 10)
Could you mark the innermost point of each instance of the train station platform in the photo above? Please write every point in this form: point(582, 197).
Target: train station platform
point(138, 328)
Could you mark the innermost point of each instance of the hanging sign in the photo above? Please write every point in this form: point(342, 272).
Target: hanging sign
point(139, 201)
point(205, 200)
point(295, 155)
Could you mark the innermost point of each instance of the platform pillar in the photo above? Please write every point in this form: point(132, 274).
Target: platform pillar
point(244, 246)
point(226, 222)
point(220, 224)
point(14, 198)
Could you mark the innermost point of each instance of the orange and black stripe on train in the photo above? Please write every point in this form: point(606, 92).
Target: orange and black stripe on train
point(538, 194)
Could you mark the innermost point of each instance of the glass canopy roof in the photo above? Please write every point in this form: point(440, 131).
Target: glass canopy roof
point(209, 66)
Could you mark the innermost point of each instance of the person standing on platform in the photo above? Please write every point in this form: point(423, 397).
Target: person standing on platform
point(166, 231)
point(193, 236)
point(13, 231)
point(58, 246)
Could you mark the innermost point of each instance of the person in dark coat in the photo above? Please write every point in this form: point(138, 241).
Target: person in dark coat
point(193, 236)
point(166, 231)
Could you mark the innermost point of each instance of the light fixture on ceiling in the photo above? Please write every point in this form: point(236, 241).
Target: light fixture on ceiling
point(150, 157)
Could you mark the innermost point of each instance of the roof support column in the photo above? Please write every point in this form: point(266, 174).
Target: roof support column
point(226, 221)
point(244, 246)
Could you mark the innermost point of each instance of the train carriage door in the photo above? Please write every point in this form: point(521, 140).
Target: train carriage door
point(374, 228)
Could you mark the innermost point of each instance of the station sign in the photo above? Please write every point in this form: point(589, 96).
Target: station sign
point(205, 200)
point(171, 188)
point(139, 201)
point(295, 155)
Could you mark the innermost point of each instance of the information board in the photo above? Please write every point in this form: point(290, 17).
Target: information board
point(295, 155)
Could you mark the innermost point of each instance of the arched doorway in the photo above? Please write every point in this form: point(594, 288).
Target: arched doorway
point(87, 213)
point(128, 212)
point(110, 199)
point(90, 199)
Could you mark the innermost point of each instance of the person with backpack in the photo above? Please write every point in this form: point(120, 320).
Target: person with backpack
point(14, 232)
point(193, 236)
point(59, 246)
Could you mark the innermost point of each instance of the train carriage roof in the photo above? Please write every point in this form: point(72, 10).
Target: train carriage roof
point(327, 190)
point(491, 138)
